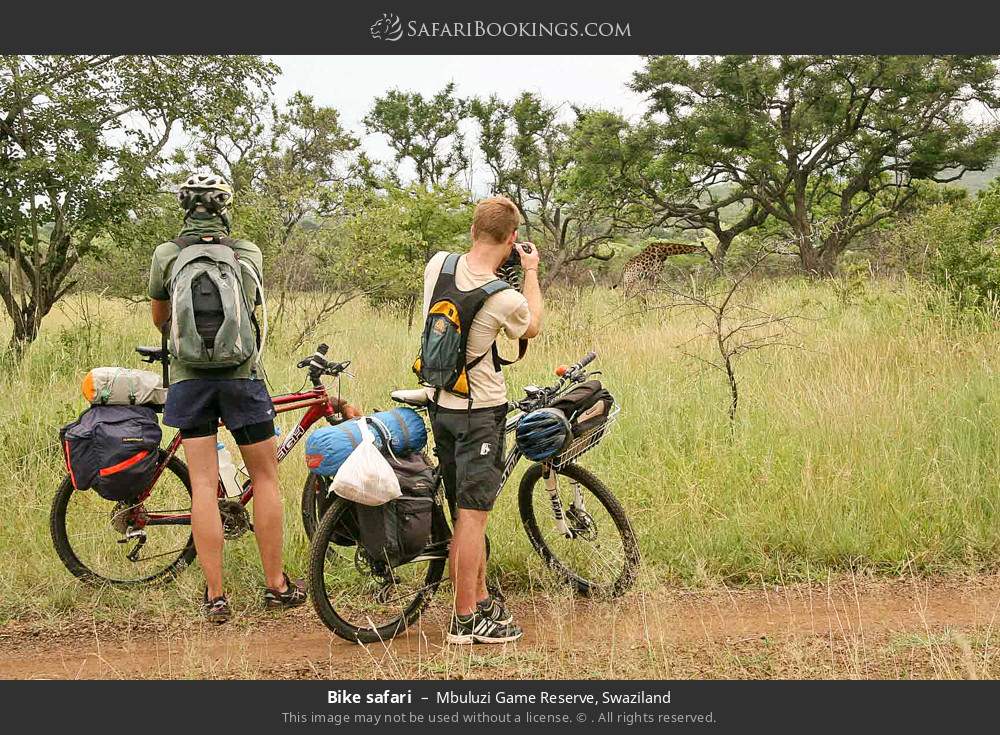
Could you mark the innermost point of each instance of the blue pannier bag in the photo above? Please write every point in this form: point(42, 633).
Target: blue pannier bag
point(328, 447)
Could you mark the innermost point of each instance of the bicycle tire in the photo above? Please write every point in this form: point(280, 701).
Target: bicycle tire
point(321, 602)
point(69, 558)
point(315, 501)
point(599, 490)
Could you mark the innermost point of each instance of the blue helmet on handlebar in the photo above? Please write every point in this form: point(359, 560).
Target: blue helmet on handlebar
point(543, 433)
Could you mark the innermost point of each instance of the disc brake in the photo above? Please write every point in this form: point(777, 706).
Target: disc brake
point(582, 523)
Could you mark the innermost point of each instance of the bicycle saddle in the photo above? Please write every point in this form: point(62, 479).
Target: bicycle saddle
point(411, 397)
point(150, 353)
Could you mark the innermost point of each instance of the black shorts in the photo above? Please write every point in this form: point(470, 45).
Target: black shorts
point(470, 450)
point(243, 404)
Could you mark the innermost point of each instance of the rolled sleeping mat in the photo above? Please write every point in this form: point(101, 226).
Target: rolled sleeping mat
point(404, 427)
point(329, 446)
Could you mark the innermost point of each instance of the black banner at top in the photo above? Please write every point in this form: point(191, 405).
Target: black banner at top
point(510, 27)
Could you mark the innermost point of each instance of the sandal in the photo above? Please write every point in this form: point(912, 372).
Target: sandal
point(217, 609)
point(293, 596)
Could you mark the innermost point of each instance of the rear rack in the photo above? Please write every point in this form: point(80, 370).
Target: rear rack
point(588, 441)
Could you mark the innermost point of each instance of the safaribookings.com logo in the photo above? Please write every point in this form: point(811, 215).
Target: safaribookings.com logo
point(387, 28)
point(390, 28)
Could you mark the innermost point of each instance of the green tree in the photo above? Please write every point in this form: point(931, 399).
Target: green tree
point(651, 183)
point(531, 155)
point(830, 146)
point(285, 164)
point(290, 167)
point(961, 242)
point(82, 142)
point(423, 131)
point(391, 233)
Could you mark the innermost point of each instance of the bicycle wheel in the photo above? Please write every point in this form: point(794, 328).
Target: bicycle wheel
point(315, 500)
point(358, 601)
point(87, 530)
point(601, 557)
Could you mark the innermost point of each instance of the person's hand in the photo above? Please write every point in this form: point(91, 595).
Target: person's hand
point(529, 261)
point(346, 410)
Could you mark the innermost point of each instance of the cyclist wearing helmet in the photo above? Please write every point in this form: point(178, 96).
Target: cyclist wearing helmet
point(469, 429)
point(214, 375)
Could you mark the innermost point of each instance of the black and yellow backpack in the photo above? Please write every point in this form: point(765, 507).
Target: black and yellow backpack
point(441, 363)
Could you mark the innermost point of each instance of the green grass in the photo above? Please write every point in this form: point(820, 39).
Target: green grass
point(873, 447)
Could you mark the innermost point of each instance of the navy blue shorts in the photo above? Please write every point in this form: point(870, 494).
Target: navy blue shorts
point(199, 402)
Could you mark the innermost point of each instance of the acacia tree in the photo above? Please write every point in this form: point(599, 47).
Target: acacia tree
point(82, 142)
point(827, 145)
point(531, 154)
point(423, 131)
point(285, 163)
point(729, 322)
point(650, 184)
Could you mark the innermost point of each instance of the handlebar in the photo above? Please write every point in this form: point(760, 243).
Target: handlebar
point(563, 371)
point(318, 364)
point(152, 354)
point(575, 373)
point(317, 359)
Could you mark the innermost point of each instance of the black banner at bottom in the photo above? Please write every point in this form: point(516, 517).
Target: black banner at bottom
point(492, 706)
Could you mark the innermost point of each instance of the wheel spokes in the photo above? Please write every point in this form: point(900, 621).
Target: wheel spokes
point(595, 556)
point(95, 529)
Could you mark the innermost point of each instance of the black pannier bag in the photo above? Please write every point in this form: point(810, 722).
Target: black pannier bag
point(112, 449)
point(396, 532)
point(587, 407)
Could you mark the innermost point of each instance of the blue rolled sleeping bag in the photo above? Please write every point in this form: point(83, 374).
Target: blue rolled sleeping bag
point(329, 446)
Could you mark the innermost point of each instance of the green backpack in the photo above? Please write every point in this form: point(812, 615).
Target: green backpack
point(444, 341)
point(212, 324)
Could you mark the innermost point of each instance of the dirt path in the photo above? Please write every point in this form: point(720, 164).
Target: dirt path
point(905, 628)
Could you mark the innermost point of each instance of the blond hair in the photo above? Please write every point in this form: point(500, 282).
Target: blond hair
point(495, 219)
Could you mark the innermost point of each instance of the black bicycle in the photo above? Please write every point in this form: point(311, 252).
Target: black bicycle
point(572, 519)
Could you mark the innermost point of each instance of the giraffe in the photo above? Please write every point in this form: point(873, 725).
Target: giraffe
point(645, 267)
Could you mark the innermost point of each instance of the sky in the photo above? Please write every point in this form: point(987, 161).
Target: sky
point(350, 83)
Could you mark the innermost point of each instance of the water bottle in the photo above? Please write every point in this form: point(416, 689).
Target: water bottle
point(243, 475)
point(227, 471)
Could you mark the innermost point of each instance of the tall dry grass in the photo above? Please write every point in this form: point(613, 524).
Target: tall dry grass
point(873, 447)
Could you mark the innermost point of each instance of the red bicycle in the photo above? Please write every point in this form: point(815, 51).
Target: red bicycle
point(149, 540)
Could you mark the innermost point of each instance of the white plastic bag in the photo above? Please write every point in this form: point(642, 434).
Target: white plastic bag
point(366, 477)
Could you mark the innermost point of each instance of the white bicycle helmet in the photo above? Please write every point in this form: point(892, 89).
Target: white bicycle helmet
point(209, 189)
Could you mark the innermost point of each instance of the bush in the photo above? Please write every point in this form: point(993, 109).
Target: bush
point(984, 214)
point(911, 247)
point(969, 272)
point(965, 255)
point(952, 243)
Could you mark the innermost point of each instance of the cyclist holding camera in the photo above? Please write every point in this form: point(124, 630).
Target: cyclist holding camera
point(466, 308)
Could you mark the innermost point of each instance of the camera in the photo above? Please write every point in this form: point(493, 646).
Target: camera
point(510, 270)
